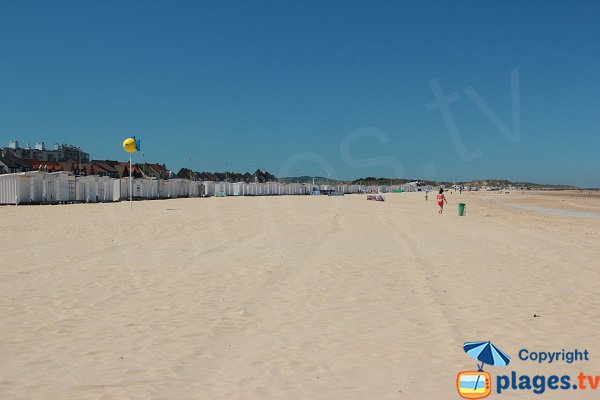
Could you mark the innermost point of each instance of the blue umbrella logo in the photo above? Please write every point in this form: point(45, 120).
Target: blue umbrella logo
point(487, 353)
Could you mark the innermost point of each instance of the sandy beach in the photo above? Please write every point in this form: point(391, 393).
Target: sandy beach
point(292, 297)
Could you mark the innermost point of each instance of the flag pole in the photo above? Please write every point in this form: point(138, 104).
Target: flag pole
point(130, 186)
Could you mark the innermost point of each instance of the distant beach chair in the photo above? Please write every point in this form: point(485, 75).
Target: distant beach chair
point(375, 197)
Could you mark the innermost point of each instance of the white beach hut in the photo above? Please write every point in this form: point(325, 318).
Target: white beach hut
point(142, 188)
point(101, 187)
point(36, 180)
point(138, 188)
point(209, 188)
point(160, 188)
point(86, 188)
point(112, 191)
point(237, 189)
point(15, 189)
point(193, 188)
point(181, 187)
point(220, 189)
point(152, 191)
point(124, 186)
point(170, 189)
point(58, 187)
point(164, 189)
point(24, 188)
point(228, 188)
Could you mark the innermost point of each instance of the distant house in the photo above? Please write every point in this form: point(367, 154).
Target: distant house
point(186, 173)
point(123, 170)
point(157, 171)
point(9, 164)
point(69, 166)
point(47, 166)
point(60, 152)
point(207, 176)
point(104, 168)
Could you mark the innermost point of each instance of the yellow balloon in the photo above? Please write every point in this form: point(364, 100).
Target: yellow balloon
point(129, 145)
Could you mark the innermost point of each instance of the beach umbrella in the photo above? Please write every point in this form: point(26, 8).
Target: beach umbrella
point(487, 353)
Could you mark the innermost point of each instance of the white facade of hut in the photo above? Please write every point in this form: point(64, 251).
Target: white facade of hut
point(219, 188)
point(86, 188)
point(166, 189)
point(124, 184)
point(112, 191)
point(274, 188)
point(160, 188)
point(144, 188)
point(209, 188)
point(172, 188)
point(228, 188)
point(237, 189)
point(152, 188)
point(195, 188)
point(36, 186)
point(15, 189)
point(58, 187)
point(28, 188)
point(183, 187)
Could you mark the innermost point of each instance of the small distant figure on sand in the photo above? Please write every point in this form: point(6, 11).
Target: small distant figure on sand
point(440, 200)
point(426, 195)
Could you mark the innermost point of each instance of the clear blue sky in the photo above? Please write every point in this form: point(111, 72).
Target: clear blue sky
point(288, 84)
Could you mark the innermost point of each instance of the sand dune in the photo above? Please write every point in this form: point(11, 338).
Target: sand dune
point(287, 297)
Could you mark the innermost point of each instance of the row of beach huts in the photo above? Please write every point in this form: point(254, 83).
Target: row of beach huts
point(39, 187)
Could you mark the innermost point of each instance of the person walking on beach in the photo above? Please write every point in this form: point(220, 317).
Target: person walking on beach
point(440, 200)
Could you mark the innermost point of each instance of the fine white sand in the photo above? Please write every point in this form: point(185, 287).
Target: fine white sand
point(290, 297)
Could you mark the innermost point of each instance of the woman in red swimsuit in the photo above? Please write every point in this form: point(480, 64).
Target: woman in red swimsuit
point(440, 200)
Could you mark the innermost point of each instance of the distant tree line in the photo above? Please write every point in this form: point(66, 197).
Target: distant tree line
point(259, 176)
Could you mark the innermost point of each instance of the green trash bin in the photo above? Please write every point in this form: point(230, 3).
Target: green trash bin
point(462, 209)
